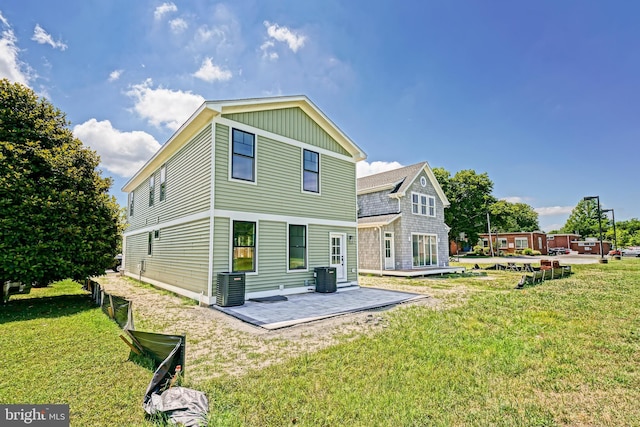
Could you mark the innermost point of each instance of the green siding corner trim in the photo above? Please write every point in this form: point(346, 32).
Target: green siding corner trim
point(292, 123)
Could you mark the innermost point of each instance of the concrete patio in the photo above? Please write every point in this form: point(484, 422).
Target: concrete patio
point(308, 307)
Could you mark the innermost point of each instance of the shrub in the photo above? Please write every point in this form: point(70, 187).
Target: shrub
point(478, 250)
point(527, 251)
point(536, 253)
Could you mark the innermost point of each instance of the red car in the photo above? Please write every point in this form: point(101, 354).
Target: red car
point(614, 252)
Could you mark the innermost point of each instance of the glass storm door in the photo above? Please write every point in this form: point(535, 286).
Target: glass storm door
point(389, 256)
point(338, 255)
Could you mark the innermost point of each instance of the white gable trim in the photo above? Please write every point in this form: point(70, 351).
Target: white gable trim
point(434, 182)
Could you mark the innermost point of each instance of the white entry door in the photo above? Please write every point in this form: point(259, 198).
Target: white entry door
point(338, 254)
point(389, 255)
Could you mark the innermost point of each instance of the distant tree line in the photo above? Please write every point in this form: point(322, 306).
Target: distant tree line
point(470, 197)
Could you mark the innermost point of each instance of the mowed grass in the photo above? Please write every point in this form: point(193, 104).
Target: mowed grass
point(56, 346)
point(563, 353)
point(566, 352)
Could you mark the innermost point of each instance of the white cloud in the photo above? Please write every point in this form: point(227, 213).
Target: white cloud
point(266, 52)
point(209, 72)
point(365, 168)
point(514, 199)
point(178, 25)
point(11, 67)
point(115, 75)
point(163, 9)
point(122, 153)
point(283, 34)
point(42, 37)
point(163, 107)
point(554, 210)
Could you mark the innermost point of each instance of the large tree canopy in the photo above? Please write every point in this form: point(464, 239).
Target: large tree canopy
point(584, 220)
point(513, 217)
point(57, 220)
point(469, 194)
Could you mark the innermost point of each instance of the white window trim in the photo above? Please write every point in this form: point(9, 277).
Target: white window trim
point(306, 248)
point(420, 205)
point(255, 156)
point(506, 243)
point(247, 273)
point(302, 173)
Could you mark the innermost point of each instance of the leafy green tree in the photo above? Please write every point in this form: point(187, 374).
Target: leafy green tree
point(584, 220)
point(513, 217)
point(628, 233)
point(469, 194)
point(57, 220)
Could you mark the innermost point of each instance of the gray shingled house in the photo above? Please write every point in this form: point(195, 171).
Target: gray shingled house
point(401, 222)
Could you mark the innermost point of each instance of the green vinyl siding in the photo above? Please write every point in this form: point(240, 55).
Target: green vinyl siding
point(188, 189)
point(180, 256)
point(279, 183)
point(272, 254)
point(319, 250)
point(292, 123)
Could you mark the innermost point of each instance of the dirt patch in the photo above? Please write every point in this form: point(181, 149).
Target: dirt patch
point(218, 344)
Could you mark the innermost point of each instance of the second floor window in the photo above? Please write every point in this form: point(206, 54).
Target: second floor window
point(243, 155)
point(163, 183)
point(152, 190)
point(311, 171)
point(422, 204)
point(131, 203)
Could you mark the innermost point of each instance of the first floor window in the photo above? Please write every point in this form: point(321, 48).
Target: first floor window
point(502, 243)
point(425, 250)
point(243, 155)
point(150, 244)
point(311, 171)
point(521, 243)
point(297, 247)
point(244, 246)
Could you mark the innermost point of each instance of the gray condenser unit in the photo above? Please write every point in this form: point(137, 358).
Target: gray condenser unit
point(230, 289)
point(325, 279)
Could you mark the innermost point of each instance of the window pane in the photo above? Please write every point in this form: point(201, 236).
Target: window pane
point(310, 181)
point(310, 161)
point(242, 168)
point(242, 143)
point(244, 246)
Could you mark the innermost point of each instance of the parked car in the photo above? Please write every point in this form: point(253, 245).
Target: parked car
point(558, 251)
point(633, 251)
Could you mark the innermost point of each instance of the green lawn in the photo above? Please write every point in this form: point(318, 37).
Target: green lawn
point(566, 352)
point(57, 347)
point(563, 353)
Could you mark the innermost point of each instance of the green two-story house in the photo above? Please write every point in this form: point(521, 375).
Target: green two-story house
point(262, 186)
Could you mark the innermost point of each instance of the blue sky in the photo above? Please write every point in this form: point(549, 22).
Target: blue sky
point(542, 95)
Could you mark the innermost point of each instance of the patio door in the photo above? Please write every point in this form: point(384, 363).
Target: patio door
point(425, 250)
point(389, 255)
point(338, 254)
